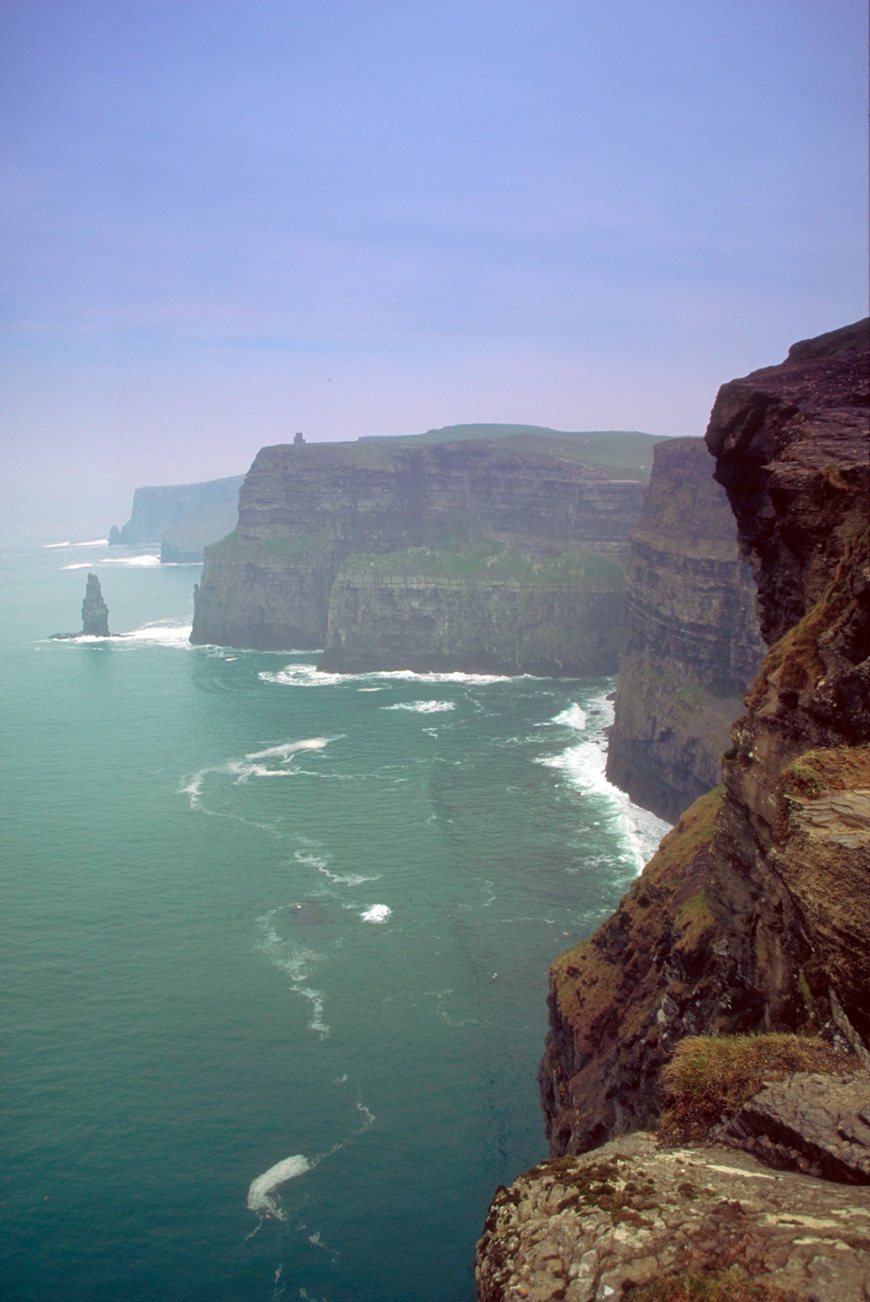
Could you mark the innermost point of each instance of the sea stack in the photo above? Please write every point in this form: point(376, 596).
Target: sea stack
point(95, 612)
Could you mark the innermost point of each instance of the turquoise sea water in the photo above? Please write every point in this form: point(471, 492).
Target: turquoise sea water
point(274, 949)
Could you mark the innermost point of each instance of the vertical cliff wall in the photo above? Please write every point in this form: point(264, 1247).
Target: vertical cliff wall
point(754, 913)
point(478, 610)
point(694, 645)
point(309, 563)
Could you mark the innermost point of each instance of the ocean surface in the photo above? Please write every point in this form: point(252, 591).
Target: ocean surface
point(274, 949)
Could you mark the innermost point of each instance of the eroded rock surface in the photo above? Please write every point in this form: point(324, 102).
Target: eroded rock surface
point(582, 1229)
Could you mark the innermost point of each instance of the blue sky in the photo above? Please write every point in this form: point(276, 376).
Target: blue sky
point(226, 220)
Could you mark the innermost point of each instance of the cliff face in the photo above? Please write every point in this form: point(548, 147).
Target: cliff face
point(753, 915)
point(694, 644)
point(182, 518)
point(433, 610)
point(305, 513)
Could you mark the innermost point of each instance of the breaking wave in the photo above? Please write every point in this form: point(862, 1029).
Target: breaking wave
point(422, 707)
point(583, 767)
point(377, 913)
point(309, 676)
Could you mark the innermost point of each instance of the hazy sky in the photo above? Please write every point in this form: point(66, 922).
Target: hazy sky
point(226, 220)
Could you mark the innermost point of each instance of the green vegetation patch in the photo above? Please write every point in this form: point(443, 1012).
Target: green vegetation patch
point(818, 771)
point(489, 560)
point(732, 1285)
point(711, 1077)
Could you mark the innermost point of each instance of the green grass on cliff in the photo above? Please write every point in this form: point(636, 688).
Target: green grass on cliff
point(489, 560)
point(710, 1077)
point(233, 548)
point(622, 454)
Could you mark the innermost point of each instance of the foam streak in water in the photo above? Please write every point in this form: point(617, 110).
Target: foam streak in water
point(259, 1200)
point(422, 707)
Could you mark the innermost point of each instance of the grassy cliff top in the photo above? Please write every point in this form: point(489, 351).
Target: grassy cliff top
point(489, 559)
point(609, 454)
point(625, 453)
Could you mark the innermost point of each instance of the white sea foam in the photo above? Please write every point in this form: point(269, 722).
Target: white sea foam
point(288, 748)
point(377, 913)
point(309, 676)
point(92, 542)
point(160, 633)
point(583, 766)
point(573, 717)
point(297, 963)
point(422, 707)
point(146, 561)
point(264, 1185)
point(310, 860)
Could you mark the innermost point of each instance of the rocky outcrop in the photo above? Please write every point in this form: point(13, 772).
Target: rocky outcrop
point(423, 533)
point(694, 644)
point(619, 1222)
point(181, 519)
point(754, 914)
point(95, 612)
point(816, 1124)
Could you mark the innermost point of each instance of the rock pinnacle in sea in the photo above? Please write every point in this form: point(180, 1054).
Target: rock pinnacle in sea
point(95, 612)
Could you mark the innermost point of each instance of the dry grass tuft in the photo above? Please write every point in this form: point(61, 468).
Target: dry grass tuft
point(710, 1077)
point(732, 1285)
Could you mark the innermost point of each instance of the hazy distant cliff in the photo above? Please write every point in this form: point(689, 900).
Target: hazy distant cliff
point(182, 518)
point(694, 645)
point(388, 554)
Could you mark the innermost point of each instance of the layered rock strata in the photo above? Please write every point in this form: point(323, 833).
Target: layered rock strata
point(754, 914)
point(694, 644)
point(498, 613)
point(386, 554)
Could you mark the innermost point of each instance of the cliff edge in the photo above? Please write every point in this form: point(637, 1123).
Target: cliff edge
point(752, 917)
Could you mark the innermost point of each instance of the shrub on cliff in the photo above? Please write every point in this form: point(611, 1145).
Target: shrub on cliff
point(710, 1077)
